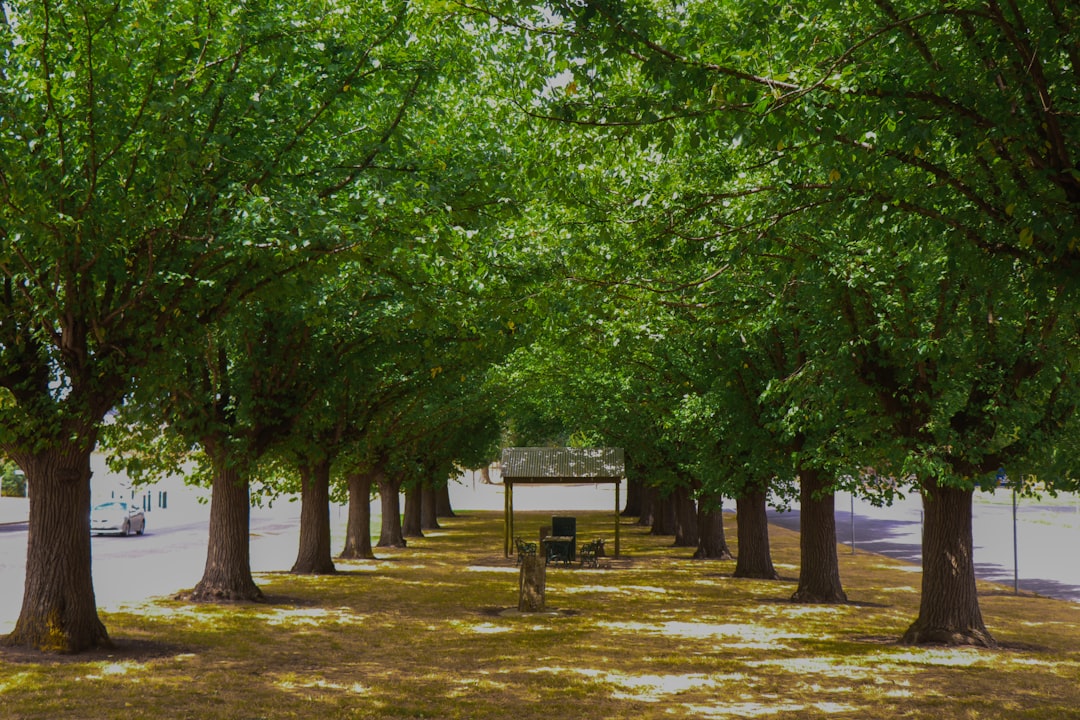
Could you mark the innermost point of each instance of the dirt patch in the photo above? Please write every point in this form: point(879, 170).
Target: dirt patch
point(514, 612)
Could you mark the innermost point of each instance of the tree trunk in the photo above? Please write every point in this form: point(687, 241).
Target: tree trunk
point(227, 575)
point(314, 556)
point(443, 507)
point(532, 584)
point(819, 574)
point(634, 491)
point(429, 516)
point(663, 515)
point(712, 543)
point(650, 497)
point(755, 559)
point(687, 533)
point(358, 531)
point(390, 532)
point(949, 608)
point(59, 611)
point(410, 523)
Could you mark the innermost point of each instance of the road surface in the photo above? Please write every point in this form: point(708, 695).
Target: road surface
point(1046, 533)
point(164, 561)
point(170, 558)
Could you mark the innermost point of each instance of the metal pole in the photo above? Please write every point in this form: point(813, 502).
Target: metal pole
point(853, 522)
point(1016, 554)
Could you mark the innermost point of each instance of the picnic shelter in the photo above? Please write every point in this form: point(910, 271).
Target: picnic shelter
point(559, 466)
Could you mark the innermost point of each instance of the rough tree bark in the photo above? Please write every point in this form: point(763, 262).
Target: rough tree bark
point(949, 610)
point(390, 529)
point(443, 508)
point(633, 498)
point(819, 573)
point(358, 530)
point(663, 515)
point(649, 498)
point(712, 542)
point(687, 533)
point(314, 555)
point(755, 558)
point(227, 574)
point(59, 611)
point(411, 521)
point(429, 516)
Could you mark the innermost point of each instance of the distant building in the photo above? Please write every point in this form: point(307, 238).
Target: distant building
point(165, 502)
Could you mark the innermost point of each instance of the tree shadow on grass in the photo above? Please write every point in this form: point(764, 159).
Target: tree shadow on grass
point(731, 576)
point(849, 603)
point(896, 641)
point(1029, 587)
point(123, 649)
point(354, 572)
point(876, 639)
point(1021, 647)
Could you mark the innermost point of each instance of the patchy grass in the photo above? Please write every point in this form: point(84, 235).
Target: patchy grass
point(425, 632)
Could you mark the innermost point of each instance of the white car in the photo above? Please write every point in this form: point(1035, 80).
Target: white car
point(117, 518)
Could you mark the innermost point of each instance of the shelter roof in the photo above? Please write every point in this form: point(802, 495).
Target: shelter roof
point(562, 465)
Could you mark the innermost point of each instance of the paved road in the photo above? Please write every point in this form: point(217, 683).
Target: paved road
point(170, 558)
point(1047, 532)
point(164, 561)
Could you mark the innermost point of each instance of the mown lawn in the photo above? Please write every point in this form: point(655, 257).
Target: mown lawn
point(431, 632)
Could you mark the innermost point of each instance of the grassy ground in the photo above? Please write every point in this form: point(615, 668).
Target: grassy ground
point(427, 632)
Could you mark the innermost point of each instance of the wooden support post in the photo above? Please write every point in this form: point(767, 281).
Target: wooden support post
point(508, 511)
point(617, 486)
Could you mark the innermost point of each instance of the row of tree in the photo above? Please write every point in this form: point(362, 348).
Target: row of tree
point(237, 234)
point(818, 246)
point(769, 251)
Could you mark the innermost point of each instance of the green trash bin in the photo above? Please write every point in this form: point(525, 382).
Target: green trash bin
point(564, 527)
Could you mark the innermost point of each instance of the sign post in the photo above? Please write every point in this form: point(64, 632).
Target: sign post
point(852, 522)
point(1016, 552)
point(1003, 480)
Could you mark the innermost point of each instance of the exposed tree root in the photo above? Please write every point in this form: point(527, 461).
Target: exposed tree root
point(968, 637)
point(218, 594)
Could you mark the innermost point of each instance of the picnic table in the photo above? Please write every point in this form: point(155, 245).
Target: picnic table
point(559, 548)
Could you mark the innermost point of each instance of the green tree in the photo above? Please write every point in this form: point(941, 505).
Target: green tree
point(14, 482)
point(154, 165)
point(943, 133)
point(969, 357)
point(360, 354)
